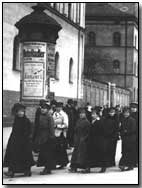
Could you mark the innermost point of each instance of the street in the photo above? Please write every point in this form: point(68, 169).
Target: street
point(111, 176)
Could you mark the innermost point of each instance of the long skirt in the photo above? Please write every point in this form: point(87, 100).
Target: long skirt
point(18, 156)
point(47, 154)
point(61, 153)
point(128, 154)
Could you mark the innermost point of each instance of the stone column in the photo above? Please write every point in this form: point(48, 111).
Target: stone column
point(113, 94)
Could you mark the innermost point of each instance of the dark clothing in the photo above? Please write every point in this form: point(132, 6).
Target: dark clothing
point(79, 156)
point(135, 116)
point(70, 133)
point(61, 153)
point(18, 155)
point(45, 139)
point(110, 132)
point(36, 123)
point(118, 116)
point(96, 145)
point(89, 115)
point(128, 135)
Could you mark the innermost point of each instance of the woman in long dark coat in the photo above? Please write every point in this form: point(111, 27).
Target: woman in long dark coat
point(45, 139)
point(18, 157)
point(79, 156)
point(128, 136)
point(110, 132)
point(96, 141)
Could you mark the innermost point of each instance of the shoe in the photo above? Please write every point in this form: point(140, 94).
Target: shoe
point(103, 170)
point(9, 174)
point(45, 171)
point(122, 168)
point(129, 168)
point(72, 170)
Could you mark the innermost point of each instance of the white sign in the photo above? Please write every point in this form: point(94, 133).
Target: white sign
point(34, 66)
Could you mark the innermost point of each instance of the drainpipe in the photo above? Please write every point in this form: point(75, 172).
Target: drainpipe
point(78, 58)
point(125, 73)
point(109, 93)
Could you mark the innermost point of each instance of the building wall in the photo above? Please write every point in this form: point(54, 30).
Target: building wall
point(70, 44)
point(97, 94)
point(102, 54)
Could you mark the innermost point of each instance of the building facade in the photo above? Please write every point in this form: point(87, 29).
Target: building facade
point(69, 52)
point(111, 45)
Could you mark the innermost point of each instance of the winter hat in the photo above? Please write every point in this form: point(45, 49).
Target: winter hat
point(16, 107)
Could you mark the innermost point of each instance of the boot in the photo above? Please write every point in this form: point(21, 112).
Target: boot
point(9, 174)
point(129, 168)
point(103, 170)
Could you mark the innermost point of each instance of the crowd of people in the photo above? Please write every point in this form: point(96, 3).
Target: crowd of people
point(92, 133)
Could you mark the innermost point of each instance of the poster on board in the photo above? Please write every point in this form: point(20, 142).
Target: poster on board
point(34, 64)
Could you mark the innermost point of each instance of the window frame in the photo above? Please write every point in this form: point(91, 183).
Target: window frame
point(57, 65)
point(117, 39)
point(71, 70)
point(92, 38)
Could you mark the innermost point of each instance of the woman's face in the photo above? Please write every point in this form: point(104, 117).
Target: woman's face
point(21, 113)
point(82, 115)
point(111, 113)
point(126, 114)
point(44, 110)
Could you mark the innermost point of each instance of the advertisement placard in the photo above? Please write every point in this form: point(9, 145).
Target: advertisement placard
point(34, 63)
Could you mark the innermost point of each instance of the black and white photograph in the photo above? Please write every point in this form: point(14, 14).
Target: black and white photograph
point(70, 102)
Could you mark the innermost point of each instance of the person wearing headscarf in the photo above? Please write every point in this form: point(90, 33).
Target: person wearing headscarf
point(128, 136)
point(18, 157)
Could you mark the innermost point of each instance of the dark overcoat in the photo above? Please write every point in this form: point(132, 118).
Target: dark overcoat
point(110, 131)
point(45, 138)
point(128, 135)
point(19, 148)
point(135, 116)
point(79, 156)
point(70, 133)
point(96, 145)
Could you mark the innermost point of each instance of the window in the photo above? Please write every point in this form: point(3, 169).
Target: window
point(92, 38)
point(116, 39)
point(16, 54)
point(57, 66)
point(69, 10)
point(55, 6)
point(134, 70)
point(134, 94)
point(71, 70)
point(135, 41)
point(116, 66)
